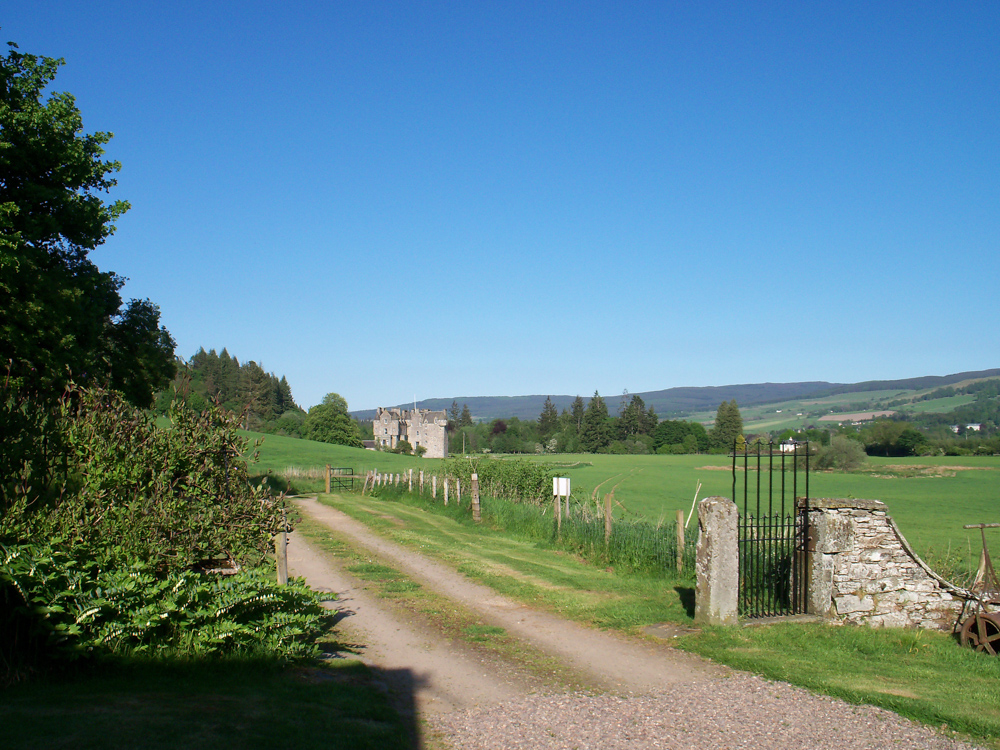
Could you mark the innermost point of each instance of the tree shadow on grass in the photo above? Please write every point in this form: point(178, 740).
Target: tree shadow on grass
point(212, 704)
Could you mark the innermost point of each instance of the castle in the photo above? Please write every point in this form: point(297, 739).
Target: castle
point(415, 426)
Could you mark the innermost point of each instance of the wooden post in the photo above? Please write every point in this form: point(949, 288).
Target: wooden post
point(421, 481)
point(411, 481)
point(281, 555)
point(607, 517)
point(281, 551)
point(434, 486)
point(476, 515)
point(680, 541)
point(328, 479)
point(446, 490)
point(458, 491)
point(558, 503)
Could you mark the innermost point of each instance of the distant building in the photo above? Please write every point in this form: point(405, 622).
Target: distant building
point(415, 426)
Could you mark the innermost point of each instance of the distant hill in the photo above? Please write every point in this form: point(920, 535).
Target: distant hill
point(912, 384)
point(684, 401)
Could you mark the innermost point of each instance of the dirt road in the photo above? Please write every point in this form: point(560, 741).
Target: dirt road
point(647, 697)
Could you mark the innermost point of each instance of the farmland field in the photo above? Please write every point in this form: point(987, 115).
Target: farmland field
point(930, 498)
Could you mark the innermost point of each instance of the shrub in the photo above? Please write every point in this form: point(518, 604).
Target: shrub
point(842, 454)
point(127, 491)
point(55, 606)
point(514, 479)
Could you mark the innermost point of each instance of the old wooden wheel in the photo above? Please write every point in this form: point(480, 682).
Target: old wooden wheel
point(982, 632)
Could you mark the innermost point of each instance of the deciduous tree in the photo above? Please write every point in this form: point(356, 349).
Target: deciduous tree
point(329, 422)
point(60, 316)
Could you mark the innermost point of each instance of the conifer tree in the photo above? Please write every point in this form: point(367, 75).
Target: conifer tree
point(577, 410)
point(728, 425)
point(466, 419)
point(548, 420)
point(595, 432)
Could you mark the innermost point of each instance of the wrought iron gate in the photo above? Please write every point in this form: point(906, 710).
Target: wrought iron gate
point(773, 527)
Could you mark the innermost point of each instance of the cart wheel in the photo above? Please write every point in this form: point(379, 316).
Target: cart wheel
point(982, 632)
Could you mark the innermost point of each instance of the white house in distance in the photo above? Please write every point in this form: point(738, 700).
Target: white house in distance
point(415, 426)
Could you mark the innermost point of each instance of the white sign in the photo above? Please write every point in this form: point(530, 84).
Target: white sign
point(560, 486)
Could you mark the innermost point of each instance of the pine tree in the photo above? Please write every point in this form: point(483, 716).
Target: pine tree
point(285, 400)
point(577, 410)
point(728, 425)
point(632, 421)
point(455, 415)
point(466, 418)
point(651, 421)
point(548, 420)
point(595, 432)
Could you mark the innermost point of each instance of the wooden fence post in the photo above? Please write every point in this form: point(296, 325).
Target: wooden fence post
point(476, 515)
point(411, 481)
point(434, 486)
point(680, 541)
point(328, 479)
point(607, 517)
point(421, 481)
point(557, 503)
point(446, 490)
point(458, 491)
point(281, 551)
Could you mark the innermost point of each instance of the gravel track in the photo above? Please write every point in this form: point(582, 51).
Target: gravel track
point(743, 711)
point(470, 704)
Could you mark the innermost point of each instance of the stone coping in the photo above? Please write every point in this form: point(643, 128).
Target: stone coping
point(840, 502)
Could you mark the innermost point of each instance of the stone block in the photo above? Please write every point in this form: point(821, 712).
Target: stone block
point(850, 603)
point(890, 620)
point(717, 563)
point(833, 534)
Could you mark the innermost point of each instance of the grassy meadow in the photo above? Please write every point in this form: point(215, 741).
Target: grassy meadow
point(930, 498)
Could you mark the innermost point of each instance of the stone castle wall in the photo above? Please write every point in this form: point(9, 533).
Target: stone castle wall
point(418, 427)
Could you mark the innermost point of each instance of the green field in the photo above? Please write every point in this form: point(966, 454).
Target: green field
point(939, 405)
point(930, 505)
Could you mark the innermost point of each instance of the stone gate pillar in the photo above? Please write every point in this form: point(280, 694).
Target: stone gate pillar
point(717, 563)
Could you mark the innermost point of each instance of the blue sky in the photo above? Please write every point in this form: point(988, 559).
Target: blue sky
point(399, 200)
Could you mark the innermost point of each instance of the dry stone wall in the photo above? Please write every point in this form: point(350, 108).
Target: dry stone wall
point(863, 571)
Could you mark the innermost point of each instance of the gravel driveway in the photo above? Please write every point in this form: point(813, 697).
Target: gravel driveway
point(649, 697)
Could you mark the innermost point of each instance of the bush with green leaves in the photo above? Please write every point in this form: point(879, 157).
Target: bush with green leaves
point(514, 479)
point(842, 454)
point(124, 490)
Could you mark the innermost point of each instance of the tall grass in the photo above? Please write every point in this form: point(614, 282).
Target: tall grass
point(638, 546)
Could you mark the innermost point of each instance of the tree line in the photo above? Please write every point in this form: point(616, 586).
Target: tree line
point(588, 427)
point(262, 399)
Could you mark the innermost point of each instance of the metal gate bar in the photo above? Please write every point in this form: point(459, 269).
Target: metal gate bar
point(342, 478)
point(772, 531)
